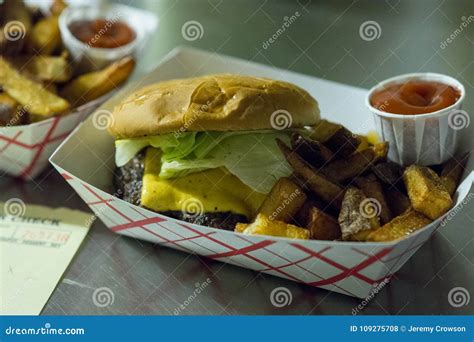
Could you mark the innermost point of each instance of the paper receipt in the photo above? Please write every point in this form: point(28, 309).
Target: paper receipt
point(36, 246)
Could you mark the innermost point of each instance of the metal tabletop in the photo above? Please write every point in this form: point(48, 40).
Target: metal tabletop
point(324, 41)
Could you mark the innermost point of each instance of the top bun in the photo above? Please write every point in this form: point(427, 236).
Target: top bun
point(213, 103)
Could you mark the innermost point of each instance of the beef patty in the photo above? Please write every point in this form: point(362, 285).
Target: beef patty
point(128, 182)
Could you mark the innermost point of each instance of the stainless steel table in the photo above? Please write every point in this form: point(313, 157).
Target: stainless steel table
point(323, 41)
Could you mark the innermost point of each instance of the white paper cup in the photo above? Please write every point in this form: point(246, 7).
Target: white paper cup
point(424, 139)
point(87, 58)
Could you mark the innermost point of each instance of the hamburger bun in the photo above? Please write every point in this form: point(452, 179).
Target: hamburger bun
point(213, 103)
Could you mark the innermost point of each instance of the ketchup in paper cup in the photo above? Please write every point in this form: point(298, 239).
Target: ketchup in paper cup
point(420, 115)
point(128, 27)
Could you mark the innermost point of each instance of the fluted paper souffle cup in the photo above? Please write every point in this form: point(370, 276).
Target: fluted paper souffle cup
point(143, 23)
point(424, 139)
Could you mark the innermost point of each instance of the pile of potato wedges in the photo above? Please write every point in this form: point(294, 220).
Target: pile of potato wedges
point(38, 79)
point(344, 188)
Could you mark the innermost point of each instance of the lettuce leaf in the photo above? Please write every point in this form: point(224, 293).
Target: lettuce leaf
point(172, 145)
point(252, 156)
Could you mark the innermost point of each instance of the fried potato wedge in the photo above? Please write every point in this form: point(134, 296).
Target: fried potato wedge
point(7, 106)
point(45, 68)
point(372, 188)
point(44, 37)
point(312, 151)
point(301, 219)
point(264, 226)
point(322, 226)
point(372, 137)
point(324, 130)
point(343, 142)
point(51, 87)
point(336, 137)
point(399, 227)
point(11, 113)
point(397, 201)
point(15, 24)
point(240, 227)
point(380, 152)
point(283, 201)
point(57, 7)
point(388, 172)
point(451, 173)
point(357, 217)
point(325, 189)
point(31, 95)
point(426, 191)
point(344, 169)
point(364, 143)
point(90, 86)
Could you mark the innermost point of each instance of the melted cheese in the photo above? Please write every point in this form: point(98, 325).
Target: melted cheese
point(214, 190)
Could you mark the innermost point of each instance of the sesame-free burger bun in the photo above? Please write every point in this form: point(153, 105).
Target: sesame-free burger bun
point(213, 103)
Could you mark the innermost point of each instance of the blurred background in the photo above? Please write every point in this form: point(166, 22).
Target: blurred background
point(324, 40)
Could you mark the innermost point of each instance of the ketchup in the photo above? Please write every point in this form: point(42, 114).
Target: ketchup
point(102, 33)
point(415, 97)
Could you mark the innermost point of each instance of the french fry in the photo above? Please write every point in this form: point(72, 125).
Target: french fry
point(322, 226)
point(364, 143)
point(344, 169)
point(399, 227)
point(324, 130)
point(16, 24)
point(312, 151)
point(451, 173)
point(295, 178)
point(264, 226)
point(240, 227)
point(35, 12)
point(372, 137)
point(57, 7)
point(51, 87)
point(388, 172)
point(343, 142)
point(301, 218)
point(380, 152)
point(10, 111)
point(372, 188)
point(92, 85)
point(44, 37)
point(328, 191)
point(283, 201)
point(397, 201)
point(7, 106)
point(426, 191)
point(355, 219)
point(44, 68)
point(337, 138)
point(31, 95)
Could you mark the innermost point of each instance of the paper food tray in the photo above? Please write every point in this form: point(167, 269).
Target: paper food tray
point(86, 161)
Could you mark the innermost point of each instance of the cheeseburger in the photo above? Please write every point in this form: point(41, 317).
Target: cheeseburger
point(203, 149)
